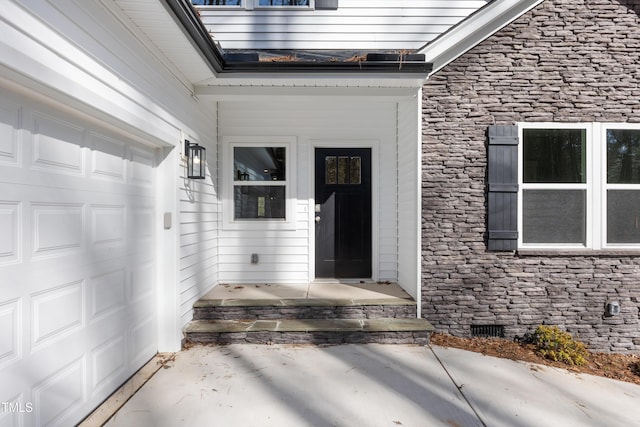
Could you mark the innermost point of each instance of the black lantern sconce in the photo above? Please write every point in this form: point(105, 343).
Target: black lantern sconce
point(196, 156)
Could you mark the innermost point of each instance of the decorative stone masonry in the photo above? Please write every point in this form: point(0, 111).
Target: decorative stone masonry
point(303, 309)
point(564, 61)
point(390, 320)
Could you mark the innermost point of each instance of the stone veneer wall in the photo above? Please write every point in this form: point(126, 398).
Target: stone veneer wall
point(564, 61)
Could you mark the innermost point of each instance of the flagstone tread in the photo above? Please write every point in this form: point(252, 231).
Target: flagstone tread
point(308, 325)
point(299, 302)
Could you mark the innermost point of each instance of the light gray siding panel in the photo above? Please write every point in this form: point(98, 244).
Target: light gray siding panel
point(199, 224)
point(285, 255)
point(356, 24)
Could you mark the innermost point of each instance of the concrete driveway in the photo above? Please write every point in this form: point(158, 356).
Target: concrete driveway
point(371, 385)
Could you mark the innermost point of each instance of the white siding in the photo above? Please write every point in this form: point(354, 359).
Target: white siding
point(287, 255)
point(199, 224)
point(357, 24)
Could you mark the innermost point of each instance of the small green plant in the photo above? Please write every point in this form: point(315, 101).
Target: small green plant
point(559, 346)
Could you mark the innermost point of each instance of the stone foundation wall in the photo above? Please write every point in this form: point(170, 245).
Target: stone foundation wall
point(564, 61)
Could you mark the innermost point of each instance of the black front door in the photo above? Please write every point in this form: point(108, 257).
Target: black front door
point(343, 212)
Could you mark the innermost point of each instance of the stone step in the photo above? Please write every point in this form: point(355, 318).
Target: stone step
point(309, 331)
point(313, 308)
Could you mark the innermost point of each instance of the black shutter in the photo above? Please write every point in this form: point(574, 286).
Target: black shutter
point(502, 214)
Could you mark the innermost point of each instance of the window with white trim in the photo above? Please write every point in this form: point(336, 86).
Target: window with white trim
point(283, 3)
point(235, 3)
point(579, 185)
point(259, 180)
point(258, 4)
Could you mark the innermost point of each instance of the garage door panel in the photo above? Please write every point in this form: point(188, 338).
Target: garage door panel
point(141, 335)
point(108, 224)
point(56, 146)
point(141, 281)
point(140, 167)
point(56, 313)
point(108, 158)
point(13, 419)
point(10, 226)
point(10, 118)
point(107, 293)
point(77, 289)
point(60, 394)
point(58, 228)
point(109, 363)
point(10, 328)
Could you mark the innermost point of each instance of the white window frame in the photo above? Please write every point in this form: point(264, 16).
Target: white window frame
point(255, 4)
point(228, 183)
point(242, 5)
point(602, 128)
point(310, 6)
point(596, 186)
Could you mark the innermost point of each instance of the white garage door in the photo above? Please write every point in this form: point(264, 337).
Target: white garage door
point(77, 297)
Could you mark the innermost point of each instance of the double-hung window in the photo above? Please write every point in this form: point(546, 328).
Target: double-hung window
point(284, 3)
point(259, 179)
point(579, 185)
point(217, 3)
point(258, 4)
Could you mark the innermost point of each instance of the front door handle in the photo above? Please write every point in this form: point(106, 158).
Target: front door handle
point(317, 218)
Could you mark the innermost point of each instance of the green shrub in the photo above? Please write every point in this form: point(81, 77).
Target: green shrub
point(557, 345)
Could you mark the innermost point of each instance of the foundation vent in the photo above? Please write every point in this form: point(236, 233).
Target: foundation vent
point(487, 331)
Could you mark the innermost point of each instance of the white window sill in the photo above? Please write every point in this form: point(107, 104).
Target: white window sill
point(632, 252)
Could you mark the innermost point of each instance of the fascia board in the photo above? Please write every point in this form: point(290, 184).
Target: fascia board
point(242, 92)
point(473, 30)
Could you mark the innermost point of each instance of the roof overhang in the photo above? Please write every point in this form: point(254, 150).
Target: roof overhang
point(473, 30)
point(222, 67)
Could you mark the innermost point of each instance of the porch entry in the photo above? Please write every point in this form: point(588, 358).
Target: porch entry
point(343, 212)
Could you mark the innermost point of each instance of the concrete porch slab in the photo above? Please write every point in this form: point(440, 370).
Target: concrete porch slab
point(262, 291)
point(312, 291)
point(367, 290)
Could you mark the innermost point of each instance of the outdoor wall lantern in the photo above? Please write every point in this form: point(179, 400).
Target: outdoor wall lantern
point(196, 156)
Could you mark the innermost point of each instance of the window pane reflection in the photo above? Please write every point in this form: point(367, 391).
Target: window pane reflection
point(216, 2)
point(623, 156)
point(355, 170)
point(330, 170)
point(343, 170)
point(259, 163)
point(554, 155)
point(284, 3)
point(259, 201)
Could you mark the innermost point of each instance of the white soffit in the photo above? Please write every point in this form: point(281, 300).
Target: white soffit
point(156, 27)
point(298, 81)
point(293, 91)
point(473, 30)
